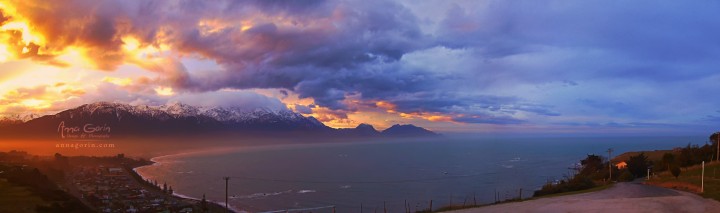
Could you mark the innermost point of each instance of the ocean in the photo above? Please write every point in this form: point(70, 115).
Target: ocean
point(385, 175)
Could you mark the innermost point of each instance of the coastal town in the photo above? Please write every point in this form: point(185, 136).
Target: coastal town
point(90, 184)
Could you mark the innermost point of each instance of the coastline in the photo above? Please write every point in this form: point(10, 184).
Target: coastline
point(167, 159)
point(212, 204)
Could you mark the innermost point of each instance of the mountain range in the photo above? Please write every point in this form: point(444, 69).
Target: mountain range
point(109, 120)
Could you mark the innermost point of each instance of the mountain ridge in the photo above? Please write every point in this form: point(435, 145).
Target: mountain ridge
point(179, 118)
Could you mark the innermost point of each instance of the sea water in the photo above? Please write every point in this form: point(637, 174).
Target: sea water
point(388, 176)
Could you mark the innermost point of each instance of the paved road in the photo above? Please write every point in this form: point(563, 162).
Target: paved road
point(623, 197)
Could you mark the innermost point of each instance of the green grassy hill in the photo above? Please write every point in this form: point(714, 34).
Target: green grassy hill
point(689, 180)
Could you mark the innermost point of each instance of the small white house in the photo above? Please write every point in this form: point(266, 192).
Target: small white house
point(621, 165)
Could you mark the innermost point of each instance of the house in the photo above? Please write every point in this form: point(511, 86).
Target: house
point(621, 165)
point(115, 170)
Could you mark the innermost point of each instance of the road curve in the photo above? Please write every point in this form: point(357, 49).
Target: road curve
point(623, 197)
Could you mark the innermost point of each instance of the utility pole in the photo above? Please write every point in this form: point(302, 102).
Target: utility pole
point(702, 178)
point(610, 150)
point(717, 135)
point(226, 193)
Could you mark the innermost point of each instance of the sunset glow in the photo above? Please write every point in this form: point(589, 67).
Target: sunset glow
point(352, 105)
point(26, 34)
point(452, 69)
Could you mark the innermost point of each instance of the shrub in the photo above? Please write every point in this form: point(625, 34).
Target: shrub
point(637, 165)
point(675, 171)
point(576, 184)
point(626, 176)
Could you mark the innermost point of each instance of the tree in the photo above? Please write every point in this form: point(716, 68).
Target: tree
point(675, 170)
point(667, 160)
point(61, 160)
point(591, 165)
point(713, 137)
point(638, 165)
point(626, 176)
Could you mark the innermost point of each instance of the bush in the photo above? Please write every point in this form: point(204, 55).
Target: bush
point(626, 176)
point(675, 171)
point(576, 184)
point(637, 165)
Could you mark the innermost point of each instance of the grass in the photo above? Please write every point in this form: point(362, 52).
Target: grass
point(457, 207)
point(17, 199)
point(594, 189)
point(690, 180)
point(655, 155)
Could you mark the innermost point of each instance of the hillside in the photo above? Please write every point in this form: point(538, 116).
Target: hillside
point(103, 120)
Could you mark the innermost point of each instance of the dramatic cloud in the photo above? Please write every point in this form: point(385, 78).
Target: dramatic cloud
point(241, 99)
point(469, 64)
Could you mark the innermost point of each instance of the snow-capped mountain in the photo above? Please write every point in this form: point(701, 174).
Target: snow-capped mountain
point(7, 120)
point(19, 117)
point(171, 119)
point(223, 115)
point(176, 118)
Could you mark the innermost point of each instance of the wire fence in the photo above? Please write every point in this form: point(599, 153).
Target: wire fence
point(453, 201)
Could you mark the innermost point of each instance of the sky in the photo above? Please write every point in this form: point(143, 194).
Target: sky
point(477, 66)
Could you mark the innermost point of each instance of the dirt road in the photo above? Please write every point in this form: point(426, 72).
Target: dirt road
point(623, 197)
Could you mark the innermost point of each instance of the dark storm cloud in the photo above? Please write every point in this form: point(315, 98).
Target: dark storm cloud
point(351, 49)
point(303, 109)
point(331, 50)
point(325, 50)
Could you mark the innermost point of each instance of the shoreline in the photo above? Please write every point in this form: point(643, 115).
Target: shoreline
point(220, 205)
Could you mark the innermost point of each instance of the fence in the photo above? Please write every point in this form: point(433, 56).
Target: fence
point(455, 201)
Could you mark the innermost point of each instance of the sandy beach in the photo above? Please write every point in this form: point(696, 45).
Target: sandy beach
point(623, 197)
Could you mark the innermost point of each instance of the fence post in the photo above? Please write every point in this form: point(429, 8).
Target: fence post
point(474, 200)
point(495, 194)
point(406, 207)
point(430, 205)
point(520, 193)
